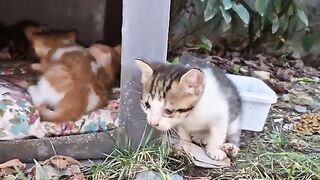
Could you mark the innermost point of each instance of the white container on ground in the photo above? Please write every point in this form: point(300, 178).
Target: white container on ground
point(257, 98)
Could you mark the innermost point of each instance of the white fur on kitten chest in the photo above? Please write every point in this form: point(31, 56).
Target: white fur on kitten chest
point(210, 114)
point(211, 109)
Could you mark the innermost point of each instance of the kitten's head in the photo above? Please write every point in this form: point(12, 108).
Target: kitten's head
point(169, 93)
point(43, 42)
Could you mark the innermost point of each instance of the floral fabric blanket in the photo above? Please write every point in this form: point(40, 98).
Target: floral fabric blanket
point(20, 119)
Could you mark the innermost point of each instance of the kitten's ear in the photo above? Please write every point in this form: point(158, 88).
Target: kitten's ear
point(192, 81)
point(145, 69)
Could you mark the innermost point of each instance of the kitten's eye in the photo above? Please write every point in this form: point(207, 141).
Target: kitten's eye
point(168, 111)
point(147, 105)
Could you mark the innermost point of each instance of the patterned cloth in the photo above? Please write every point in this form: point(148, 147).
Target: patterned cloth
point(20, 119)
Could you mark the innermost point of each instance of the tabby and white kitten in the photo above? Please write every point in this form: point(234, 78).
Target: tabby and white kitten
point(198, 100)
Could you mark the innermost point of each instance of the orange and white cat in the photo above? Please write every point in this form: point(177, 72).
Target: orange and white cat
point(45, 42)
point(69, 86)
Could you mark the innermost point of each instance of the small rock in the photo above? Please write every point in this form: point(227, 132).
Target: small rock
point(300, 109)
point(283, 105)
point(284, 74)
point(300, 143)
point(262, 74)
point(302, 98)
point(151, 175)
point(285, 97)
point(315, 105)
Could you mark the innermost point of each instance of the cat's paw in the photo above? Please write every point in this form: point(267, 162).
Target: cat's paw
point(216, 154)
point(230, 149)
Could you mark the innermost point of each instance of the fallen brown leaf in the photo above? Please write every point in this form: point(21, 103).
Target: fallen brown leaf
point(7, 168)
point(276, 87)
point(6, 172)
point(78, 177)
point(12, 163)
point(61, 162)
point(58, 166)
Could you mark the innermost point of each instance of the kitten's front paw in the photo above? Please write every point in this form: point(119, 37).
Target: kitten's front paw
point(216, 154)
point(230, 149)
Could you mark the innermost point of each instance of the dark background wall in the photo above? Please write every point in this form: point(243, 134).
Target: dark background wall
point(88, 17)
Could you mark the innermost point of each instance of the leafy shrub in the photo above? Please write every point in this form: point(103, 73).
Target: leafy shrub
point(260, 21)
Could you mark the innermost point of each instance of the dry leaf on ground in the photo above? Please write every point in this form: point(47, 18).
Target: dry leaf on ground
point(12, 163)
point(58, 166)
point(7, 168)
point(61, 162)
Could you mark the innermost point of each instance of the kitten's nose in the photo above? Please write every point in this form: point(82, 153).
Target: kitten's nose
point(154, 123)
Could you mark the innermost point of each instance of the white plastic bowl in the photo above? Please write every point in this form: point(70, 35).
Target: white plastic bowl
point(257, 98)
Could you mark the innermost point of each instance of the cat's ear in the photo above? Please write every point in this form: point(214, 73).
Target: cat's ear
point(145, 69)
point(31, 31)
point(192, 81)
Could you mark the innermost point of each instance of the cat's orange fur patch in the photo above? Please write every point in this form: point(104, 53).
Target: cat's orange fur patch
point(72, 75)
point(45, 42)
point(84, 77)
point(103, 54)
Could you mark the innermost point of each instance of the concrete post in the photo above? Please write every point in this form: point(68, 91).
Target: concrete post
point(144, 35)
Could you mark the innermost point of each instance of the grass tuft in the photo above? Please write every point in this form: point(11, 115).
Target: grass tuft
point(126, 162)
point(272, 156)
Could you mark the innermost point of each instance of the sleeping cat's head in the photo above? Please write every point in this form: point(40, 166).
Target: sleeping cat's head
point(169, 93)
point(43, 42)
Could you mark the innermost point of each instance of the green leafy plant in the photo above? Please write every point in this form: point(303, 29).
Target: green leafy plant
point(263, 20)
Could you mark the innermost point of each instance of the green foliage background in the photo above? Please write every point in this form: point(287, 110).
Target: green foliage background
point(203, 23)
